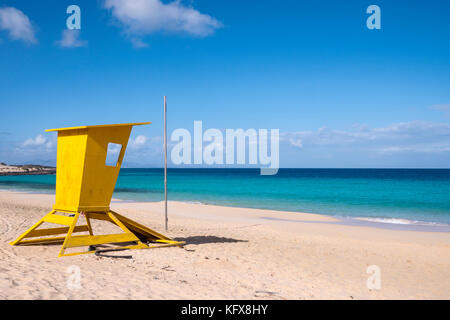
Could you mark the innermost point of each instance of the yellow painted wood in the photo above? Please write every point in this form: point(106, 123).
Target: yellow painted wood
point(99, 126)
point(179, 244)
point(83, 180)
point(69, 234)
point(85, 184)
point(137, 246)
point(170, 242)
point(98, 216)
point(43, 240)
point(79, 241)
point(58, 219)
point(76, 253)
point(99, 179)
point(139, 228)
point(53, 231)
point(70, 161)
point(88, 222)
point(117, 222)
point(24, 235)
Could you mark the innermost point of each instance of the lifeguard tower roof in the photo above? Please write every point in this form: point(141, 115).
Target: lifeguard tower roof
point(99, 126)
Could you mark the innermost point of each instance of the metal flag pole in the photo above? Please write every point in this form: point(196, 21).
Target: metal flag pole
point(165, 162)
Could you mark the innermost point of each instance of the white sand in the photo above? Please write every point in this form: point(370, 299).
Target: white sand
point(231, 253)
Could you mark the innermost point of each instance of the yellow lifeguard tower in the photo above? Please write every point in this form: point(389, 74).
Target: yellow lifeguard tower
point(85, 185)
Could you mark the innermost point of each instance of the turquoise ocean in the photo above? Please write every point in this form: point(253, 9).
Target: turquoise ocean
point(387, 195)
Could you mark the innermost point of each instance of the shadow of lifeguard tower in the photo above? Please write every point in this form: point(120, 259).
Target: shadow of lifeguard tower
point(84, 185)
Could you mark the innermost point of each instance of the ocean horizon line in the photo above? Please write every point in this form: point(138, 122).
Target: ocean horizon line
point(411, 194)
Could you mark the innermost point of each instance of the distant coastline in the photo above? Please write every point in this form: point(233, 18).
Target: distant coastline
point(28, 169)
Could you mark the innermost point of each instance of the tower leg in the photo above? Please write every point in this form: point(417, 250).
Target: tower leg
point(113, 217)
point(134, 233)
point(26, 233)
point(149, 234)
point(88, 222)
point(69, 234)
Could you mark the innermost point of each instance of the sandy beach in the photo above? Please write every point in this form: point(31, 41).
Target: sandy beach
point(230, 253)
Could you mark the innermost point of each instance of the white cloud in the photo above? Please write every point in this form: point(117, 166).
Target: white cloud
point(423, 148)
point(444, 108)
point(38, 141)
point(70, 39)
point(144, 151)
point(138, 43)
point(37, 145)
point(17, 24)
point(416, 136)
point(138, 142)
point(441, 107)
point(143, 17)
point(296, 142)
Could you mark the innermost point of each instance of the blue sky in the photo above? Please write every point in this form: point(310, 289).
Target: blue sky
point(342, 95)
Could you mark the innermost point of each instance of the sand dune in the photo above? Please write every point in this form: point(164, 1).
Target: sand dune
point(231, 253)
